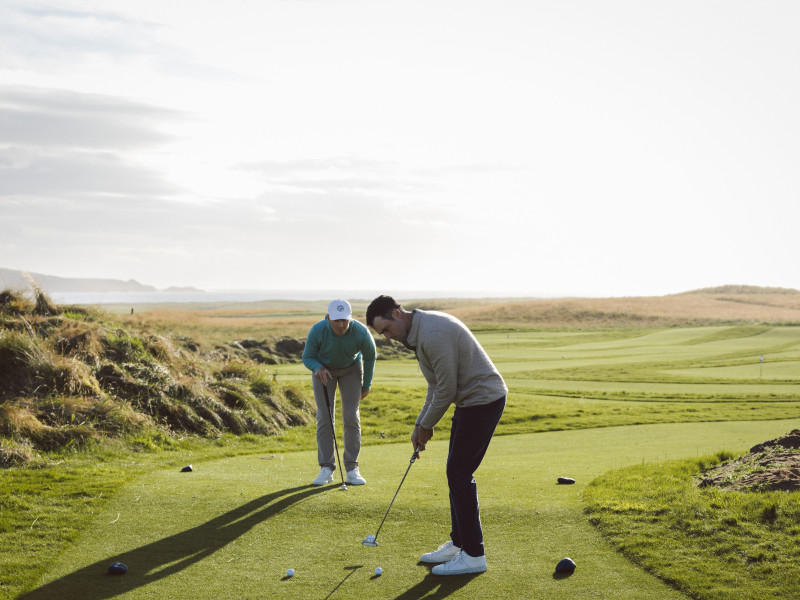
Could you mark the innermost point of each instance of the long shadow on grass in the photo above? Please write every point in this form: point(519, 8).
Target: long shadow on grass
point(436, 586)
point(172, 554)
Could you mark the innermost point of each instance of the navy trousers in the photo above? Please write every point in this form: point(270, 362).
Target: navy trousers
point(470, 435)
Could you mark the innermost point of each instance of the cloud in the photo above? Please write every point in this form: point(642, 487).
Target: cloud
point(334, 175)
point(349, 175)
point(76, 174)
point(62, 144)
point(42, 38)
point(45, 38)
point(58, 118)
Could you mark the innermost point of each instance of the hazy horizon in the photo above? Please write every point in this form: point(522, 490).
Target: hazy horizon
point(176, 294)
point(526, 148)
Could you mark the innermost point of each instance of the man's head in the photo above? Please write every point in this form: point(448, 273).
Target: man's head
point(389, 319)
point(382, 306)
point(339, 315)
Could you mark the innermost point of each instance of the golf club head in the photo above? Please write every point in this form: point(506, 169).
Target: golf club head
point(344, 487)
point(370, 541)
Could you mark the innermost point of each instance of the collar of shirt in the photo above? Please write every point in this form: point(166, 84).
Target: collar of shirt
point(413, 333)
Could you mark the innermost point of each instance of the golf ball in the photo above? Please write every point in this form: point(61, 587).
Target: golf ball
point(290, 573)
point(378, 571)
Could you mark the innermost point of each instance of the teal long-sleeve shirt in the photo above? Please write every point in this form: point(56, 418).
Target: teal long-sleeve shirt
point(326, 349)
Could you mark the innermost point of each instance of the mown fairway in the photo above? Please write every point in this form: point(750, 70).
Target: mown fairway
point(230, 529)
point(578, 379)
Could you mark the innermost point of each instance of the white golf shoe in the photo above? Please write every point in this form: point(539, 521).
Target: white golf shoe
point(354, 477)
point(461, 564)
point(446, 552)
point(325, 476)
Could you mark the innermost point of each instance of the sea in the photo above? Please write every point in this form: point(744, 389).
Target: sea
point(182, 297)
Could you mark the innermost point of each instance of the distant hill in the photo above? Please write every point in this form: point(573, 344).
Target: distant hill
point(744, 289)
point(16, 280)
point(730, 304)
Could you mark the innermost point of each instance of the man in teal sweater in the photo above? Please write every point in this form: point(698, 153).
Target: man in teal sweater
point(340, 352)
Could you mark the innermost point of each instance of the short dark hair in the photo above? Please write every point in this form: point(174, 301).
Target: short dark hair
point(382, 306)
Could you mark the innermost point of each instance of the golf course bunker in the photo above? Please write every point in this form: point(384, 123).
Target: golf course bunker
point(770, 466)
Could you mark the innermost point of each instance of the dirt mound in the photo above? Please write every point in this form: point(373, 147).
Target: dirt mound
point(790, 440)
point(770, 466)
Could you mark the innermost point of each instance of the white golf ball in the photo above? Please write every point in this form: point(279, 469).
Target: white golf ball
point(378, 571)
point(290, 573)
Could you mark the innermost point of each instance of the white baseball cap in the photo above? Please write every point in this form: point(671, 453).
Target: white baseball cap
point(339, 309)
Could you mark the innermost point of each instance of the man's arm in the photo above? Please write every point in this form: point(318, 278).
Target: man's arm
point(441, 353)
point(311, 355)
point(369, 355)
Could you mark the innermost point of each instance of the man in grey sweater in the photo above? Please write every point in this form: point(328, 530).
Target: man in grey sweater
point(458, 371)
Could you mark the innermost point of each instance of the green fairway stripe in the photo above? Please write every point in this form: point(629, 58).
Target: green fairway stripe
point(231, 528)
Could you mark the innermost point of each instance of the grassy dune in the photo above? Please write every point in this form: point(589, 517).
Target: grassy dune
point(727, 305)
point(677, 310)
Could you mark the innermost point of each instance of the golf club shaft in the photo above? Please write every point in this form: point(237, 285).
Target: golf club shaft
point(333, 431)
point(414, 457)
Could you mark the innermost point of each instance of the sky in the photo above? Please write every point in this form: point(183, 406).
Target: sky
point(508, 148)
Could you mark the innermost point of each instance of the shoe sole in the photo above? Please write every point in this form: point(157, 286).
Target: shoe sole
point(459, 571)
point(315, 482)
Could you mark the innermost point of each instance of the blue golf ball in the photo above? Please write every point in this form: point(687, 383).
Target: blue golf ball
point(565, 565)
point(117, 568)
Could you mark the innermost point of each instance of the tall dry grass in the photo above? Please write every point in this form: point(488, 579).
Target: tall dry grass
point(677, 310)
point(70, 376)
point(727, 304)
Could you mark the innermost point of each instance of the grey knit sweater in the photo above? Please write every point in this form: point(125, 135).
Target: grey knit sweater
point(455, 365)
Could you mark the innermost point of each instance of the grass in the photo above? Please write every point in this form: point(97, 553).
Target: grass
point(232, 528)
point(48, 509)
point(247, 513)
point(45, 509)
point(708, 543)
point(77, 376)
point(574, 379)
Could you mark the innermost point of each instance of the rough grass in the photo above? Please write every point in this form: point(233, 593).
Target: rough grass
point(708, 543)
point(726, 305)
point(71, 376)
point(666, 311)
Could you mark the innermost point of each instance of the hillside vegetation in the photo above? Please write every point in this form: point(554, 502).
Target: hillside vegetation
point(726, 305)
point(71, 376)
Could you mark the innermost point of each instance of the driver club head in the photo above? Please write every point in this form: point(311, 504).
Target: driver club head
point(370, 541)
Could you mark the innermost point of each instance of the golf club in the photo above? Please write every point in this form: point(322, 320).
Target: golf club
point(333, 433)
point(372, 540)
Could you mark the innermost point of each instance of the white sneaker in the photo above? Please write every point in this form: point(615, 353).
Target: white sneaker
point(325, 476)
point(354, 477)
point(446, 552)
point(461, 564)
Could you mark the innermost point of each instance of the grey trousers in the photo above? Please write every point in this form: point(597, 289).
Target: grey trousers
point(348, 381)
